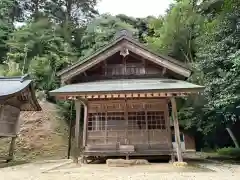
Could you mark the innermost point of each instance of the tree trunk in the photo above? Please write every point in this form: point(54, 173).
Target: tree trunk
point(233, 137)
point(36, 9)
point(69, 4)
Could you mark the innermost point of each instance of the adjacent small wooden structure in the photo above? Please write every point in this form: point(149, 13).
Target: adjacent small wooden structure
point(16, 94)
point(128, 94)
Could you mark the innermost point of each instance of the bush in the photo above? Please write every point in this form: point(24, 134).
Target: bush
point(231, 152)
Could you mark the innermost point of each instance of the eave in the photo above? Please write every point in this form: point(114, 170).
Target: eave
point(16, 87)
point(128, 88)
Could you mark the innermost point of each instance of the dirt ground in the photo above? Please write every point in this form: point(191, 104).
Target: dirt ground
point(66, 170)
point(42, 135)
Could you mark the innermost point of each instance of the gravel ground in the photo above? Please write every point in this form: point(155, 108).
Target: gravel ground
point(65, 170)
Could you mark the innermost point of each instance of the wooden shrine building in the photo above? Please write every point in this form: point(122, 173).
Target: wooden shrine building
point(16, 94)
point(126, 90)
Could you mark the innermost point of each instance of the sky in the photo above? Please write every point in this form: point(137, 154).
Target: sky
point(134, 8)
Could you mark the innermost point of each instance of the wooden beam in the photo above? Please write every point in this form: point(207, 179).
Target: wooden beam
point(127, 94)
point(176, 129)
point(77, 129)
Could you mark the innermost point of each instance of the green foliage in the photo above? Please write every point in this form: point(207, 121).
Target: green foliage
point(6, 25)
point(66, 110)
point(218, 59)
point(231, 152)
point(40, 50)
point(174, 34)
point(101, 31)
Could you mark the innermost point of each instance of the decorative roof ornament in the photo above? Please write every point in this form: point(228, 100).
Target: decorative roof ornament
point(123, 32)
point(124, 52)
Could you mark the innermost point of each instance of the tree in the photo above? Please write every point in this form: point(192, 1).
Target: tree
point(40, 50)
point(101, 31)
point(174, 34)
point(8, 12)
point(218, 59)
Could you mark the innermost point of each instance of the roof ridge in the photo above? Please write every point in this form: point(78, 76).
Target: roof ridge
point(14, 78)
point(25, 77)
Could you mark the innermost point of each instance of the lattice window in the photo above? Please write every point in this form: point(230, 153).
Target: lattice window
point(156, 120)
point(115, 121)
point(96, 121)
point(136, 120)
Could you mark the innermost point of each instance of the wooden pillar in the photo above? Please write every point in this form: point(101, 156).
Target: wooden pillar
point(85, 130)
point(11, 149)
point(77, 130)
point(85, 125)
point(167, 121)
point(126, 120)
point(146, 121)
point(176, 129)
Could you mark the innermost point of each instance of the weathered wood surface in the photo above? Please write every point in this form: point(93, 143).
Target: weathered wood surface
point(143, 152)
point(176, 129)
point(9, 120)
point(115, 123)
point(133, 48)
point(139, 104)
point(77, 130)
point(85, 126)
point(121, 95)
point(117, 68)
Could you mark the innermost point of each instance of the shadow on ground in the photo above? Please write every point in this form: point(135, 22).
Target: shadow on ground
point(155, 166)
point(4, 164)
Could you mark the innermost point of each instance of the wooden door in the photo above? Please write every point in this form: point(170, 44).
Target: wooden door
point(111, 116)
point(137, 132)
point(128, 122)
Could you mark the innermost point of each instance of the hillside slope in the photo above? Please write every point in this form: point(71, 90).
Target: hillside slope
point(43, 135)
